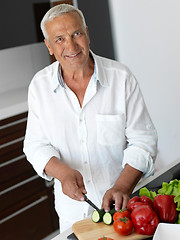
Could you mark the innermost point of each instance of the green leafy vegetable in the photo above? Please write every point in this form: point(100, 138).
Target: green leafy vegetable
point(177, 200)
point(166, 189)
point(145, 192)
point(171, 188)
point(178, 219)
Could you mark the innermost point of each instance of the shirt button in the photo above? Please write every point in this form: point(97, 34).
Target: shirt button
point(149, 127)
point(89, 181)
point(85, 162)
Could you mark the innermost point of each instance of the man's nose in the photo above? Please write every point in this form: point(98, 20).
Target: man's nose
point(71, 45)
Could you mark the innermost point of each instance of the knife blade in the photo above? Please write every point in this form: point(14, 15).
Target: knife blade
point(90, 203)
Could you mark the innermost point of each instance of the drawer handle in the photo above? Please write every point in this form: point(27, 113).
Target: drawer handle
point(12, 142)
point(13, 123)
point(19, 184)
point(43, 198)
point(12, 161)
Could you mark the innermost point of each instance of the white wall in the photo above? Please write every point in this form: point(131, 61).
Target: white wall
point(19, 64)
point(146, 38)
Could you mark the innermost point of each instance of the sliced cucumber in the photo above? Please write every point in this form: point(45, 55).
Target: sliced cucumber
point(97, 216)
point(108, 217)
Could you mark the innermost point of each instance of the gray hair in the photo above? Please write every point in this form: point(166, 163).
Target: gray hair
point(58, 11)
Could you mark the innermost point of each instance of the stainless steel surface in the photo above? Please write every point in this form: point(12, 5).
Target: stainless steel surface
point(166, 174)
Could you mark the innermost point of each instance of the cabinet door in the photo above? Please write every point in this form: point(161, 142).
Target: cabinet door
point(32, 221)
point(27, 203)
point(12, 131)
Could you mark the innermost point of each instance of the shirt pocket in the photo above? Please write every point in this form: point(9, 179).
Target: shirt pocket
point(110, 129)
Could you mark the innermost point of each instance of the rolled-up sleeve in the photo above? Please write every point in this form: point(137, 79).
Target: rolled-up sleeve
point(140, 133)
point(38, 154)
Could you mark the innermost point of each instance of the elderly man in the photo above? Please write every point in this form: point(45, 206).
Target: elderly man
point(88, 126)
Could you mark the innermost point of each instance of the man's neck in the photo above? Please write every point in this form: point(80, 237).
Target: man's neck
point(80, 74)
point(78, 80)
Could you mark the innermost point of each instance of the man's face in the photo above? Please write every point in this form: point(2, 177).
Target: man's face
point(68, 41)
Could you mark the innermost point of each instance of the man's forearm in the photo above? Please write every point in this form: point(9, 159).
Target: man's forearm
point(56, 168)
point(128, 179)
point(71, 179)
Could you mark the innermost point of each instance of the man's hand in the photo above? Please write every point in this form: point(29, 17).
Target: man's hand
point(71, 179)
point(73, 185)
point(122, 189)
point(114, 195)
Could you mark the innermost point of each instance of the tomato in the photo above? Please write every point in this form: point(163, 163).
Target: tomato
point(122, 213)
point(105, 238)
point(123, 226)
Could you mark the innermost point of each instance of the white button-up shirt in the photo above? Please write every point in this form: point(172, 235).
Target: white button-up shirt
point(111, 128)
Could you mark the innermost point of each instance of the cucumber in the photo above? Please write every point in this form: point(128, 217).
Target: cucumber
point(97, 215)
point(108, 216)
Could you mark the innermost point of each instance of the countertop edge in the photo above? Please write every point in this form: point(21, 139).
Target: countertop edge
point(13, 110)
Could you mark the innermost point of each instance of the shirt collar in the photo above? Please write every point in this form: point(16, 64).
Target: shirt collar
point(60, 78)
point(98, 74)
point(55, 83)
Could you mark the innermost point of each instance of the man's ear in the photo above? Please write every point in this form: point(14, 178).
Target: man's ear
point(48, 47)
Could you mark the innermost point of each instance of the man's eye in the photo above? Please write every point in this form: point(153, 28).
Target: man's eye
point(59, 39)
point(77, 34)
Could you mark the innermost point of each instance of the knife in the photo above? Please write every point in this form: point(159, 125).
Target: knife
point(90, 203)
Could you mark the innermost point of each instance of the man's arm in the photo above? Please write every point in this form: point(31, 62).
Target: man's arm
point(141, 148)
point(122, 188)
point(71, 179)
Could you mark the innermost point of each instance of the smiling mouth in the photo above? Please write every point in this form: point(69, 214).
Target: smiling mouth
point(73, 55)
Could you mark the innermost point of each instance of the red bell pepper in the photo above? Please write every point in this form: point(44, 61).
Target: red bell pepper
point(137, 201)
point(165, 208)
point(135, 205)
point(146, 199)
point(133, 200)
point(145, 220)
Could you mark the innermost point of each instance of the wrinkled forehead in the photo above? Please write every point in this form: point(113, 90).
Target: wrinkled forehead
point(68, 16)
point(63, 24)
point(70, 19)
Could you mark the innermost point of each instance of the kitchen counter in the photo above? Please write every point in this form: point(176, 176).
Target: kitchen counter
point(63, 236)
point(13, 102)
point(158, 177)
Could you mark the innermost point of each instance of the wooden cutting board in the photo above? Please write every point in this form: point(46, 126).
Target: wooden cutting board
point(88, 230)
